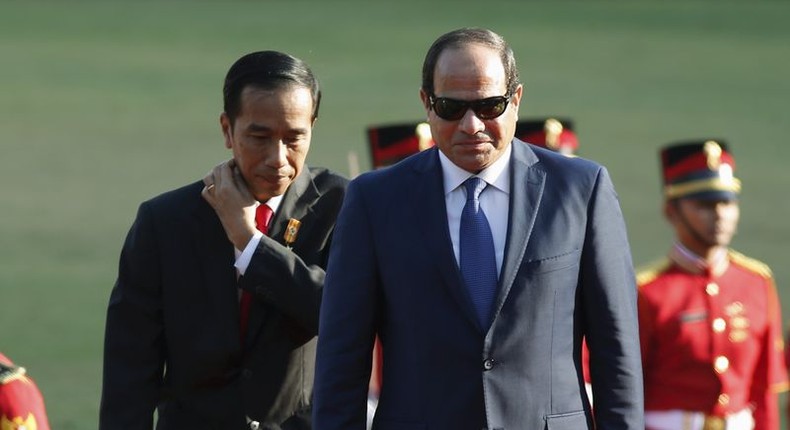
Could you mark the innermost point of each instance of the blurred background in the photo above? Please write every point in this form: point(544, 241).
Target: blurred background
point(105, 104)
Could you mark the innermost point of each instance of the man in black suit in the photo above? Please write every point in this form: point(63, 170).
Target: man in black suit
point(209, 337)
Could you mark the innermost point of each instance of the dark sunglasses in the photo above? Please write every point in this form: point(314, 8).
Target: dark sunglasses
point(453, 110)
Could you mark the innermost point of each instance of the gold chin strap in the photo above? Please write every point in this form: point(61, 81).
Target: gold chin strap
point(709, 184)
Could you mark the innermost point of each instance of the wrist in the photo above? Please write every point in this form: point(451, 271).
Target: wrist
point(242, 238)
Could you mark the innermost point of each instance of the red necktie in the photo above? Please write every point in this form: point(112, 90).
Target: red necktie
point(262, 217)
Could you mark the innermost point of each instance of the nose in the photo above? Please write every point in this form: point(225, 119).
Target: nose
point(278, 157)
point(470, 123)
point(722, 208)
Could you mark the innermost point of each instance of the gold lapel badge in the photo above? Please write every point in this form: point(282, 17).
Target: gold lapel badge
point(291, 231)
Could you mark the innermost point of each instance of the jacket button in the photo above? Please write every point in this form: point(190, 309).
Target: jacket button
point(246, 373)
point(721, 364)
point(488, 364)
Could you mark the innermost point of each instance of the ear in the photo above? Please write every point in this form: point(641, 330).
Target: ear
point(670, 210)
point(227, 129)
point(426, 101)
point(516, 99)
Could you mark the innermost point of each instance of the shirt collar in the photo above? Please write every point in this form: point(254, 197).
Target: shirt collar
point(497, 174)
point(273, 203)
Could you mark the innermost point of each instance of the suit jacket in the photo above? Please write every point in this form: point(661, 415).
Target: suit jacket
point(566, 274)
point(172, 338)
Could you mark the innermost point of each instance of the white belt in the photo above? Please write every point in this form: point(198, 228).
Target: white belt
point(686, 420)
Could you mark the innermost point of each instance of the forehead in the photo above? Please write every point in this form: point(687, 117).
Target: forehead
point(707, 202)
point(286, 100)
point(471, 68)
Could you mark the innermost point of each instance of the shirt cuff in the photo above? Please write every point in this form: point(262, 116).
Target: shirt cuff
point(243, 260)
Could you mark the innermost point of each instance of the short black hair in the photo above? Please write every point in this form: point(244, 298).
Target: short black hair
point(464, 37)
point(267, 70)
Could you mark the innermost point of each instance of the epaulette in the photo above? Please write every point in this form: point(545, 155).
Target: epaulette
point(751, 264)
point(650, 271)
point(10, 373)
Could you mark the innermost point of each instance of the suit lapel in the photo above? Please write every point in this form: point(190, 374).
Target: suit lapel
point(429, 195)
point(297, 203)
point(526, 189)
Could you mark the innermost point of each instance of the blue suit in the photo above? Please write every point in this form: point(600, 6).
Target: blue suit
point(567, 273)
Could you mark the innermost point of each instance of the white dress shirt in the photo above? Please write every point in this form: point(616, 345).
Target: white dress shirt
point(494, 200)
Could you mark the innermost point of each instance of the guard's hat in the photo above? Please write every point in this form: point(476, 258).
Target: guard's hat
point(553, 133)
point(700, 169)
point(394, 142)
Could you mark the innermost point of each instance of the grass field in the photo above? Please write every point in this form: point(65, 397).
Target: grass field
point(104, 104)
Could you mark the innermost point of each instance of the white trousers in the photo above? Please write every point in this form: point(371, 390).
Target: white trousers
point(688, 420)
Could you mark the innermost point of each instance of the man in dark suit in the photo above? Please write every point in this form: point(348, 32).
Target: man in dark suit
point(487, 334)
point(210, 338)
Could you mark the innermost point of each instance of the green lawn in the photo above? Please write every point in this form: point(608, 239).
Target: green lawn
point(104, 104)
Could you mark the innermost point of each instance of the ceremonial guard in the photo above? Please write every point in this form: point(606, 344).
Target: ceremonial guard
point(553, 133)
point(391, 143)
point(21, 403)
point(709, 317)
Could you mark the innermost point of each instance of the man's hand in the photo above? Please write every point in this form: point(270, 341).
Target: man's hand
point(228, 194)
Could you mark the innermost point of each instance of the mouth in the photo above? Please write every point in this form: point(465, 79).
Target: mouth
point(473, 144)
point(275, 179)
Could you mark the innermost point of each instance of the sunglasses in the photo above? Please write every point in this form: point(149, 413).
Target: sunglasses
point(453, 110)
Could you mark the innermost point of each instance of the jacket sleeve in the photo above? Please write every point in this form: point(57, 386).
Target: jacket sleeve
point(281, 278)
point(133, 344)
point(770, 376)
point(291, 280)
point(347, 332)
point(609, 287)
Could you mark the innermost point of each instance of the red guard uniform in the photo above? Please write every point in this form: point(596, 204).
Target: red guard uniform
point(712, 338)
point(21, 403)
point(710, 328)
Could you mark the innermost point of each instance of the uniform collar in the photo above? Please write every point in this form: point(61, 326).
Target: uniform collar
point(693, 263)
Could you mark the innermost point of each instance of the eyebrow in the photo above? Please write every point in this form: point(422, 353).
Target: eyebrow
point(257, 128)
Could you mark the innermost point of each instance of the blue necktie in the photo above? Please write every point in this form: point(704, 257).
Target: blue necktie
point(478, 257)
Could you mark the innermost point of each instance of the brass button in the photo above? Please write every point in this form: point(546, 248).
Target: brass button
point(724, 399)
point(712, 289)
point(719, 325)
point(721, 364)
